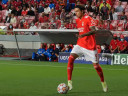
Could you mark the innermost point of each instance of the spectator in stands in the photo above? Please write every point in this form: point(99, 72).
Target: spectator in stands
point(47, 10)
point(30, 12)
point(63, 15)
point(97, 8)
point(25, 4)
point(24, 11)
point(57, 21)
point(19, 11)
point(40, 9)
point(52, 14)
point(52, 5)
point(33, 26)
point(62, 26)
point(78, 3)
point(43, 18)
point(39, 56)
point(10, 30)
point(119, 8)
point(89, 7)
point(105, 48)
point(25, 23)
point(13, 19)
point(122, 45)
point(8, 18)
point(14, 11)
point(104, 11)
point(52, 22)
point(114, 44)
point(52, 26)
point(95, 19)
point(93, 7)
point(7, 11)
point(70, 25)
point(9, 4)
point(107, 4)
point(113, 14)
point(123, 17)
point(100, 24)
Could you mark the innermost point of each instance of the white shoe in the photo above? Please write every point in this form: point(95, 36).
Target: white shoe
point(104, 85)
point(70, 84)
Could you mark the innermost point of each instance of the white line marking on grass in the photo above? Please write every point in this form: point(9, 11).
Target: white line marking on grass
point(64, 67)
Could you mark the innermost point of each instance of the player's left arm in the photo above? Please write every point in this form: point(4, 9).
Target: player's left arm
point(93, 31)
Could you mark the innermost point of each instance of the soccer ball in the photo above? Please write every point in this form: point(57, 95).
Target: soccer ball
point(62, 88)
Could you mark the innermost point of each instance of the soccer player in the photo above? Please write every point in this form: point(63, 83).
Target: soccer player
point(86, 45)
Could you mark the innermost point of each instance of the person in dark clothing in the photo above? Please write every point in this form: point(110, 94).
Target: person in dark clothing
point(8, 18)
point(123, 17)
point(14, 11)
point(104, 11)
point(31, 12)
point(25, 4)
point(0, 7)
point(40, 9)
point(19, 11)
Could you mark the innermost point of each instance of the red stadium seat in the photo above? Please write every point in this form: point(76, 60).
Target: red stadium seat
point(2, 24)
point(113, 25)
point(124, 6)
point(121, 25)
point(3, 12)
point(7, 24)
point(123, 3)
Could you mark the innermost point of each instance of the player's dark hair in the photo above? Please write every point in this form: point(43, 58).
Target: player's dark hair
point(81, 7)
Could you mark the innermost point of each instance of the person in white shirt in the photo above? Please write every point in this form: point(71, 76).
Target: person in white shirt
point(32, 27)
point(13, 19)
point(7, 11)
point(47, 9)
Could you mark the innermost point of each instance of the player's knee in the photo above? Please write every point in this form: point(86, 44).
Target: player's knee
point(95, 65)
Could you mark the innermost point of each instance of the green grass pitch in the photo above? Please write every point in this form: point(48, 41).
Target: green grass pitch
point(31, 78)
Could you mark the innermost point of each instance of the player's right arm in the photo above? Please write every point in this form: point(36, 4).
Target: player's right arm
point(93, 31)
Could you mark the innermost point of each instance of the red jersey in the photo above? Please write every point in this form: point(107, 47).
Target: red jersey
point(114, 44)
point(83, 26)
point(43, 19)
point(24, 13)
point(122, 45)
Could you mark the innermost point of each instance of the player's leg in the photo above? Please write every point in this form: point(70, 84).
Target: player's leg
point(71, 59)
point(74, 54)
point(100, 73)
point(93, 56)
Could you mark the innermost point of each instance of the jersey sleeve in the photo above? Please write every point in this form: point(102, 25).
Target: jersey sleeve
point(91, 22)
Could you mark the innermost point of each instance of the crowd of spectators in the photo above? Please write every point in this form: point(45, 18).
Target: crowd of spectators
point(59, 14)
point(50, 52)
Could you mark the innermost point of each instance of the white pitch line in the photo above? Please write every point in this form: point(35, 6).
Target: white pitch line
point(63, 66)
